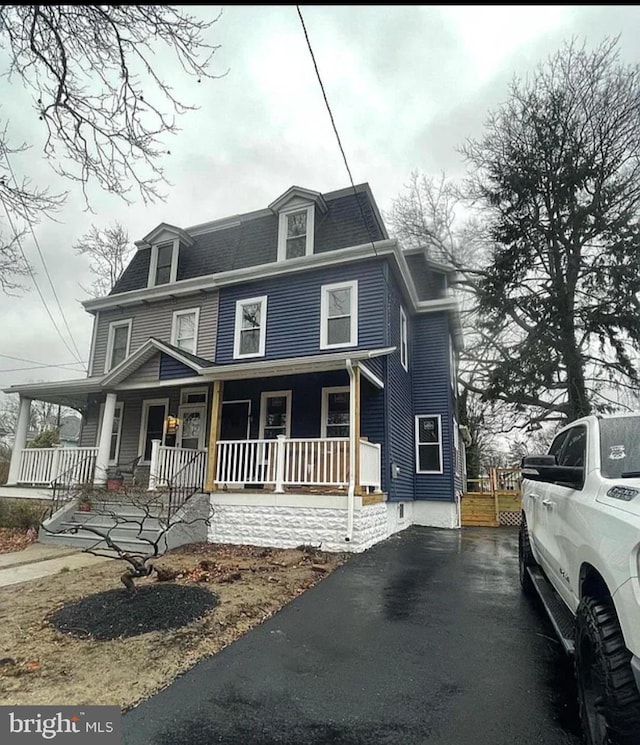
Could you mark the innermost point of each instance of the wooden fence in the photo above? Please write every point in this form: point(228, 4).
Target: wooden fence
point(492, 500)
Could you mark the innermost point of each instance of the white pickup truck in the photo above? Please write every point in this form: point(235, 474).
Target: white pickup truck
point(579, 549)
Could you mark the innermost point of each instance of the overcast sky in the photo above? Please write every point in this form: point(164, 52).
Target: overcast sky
point(407, 85)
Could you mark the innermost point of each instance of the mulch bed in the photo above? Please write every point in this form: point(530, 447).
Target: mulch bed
point(118, 614)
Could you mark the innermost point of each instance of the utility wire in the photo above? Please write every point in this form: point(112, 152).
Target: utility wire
point(35, 282)
point(38, 364)
point(77, 354)
point(335, 130)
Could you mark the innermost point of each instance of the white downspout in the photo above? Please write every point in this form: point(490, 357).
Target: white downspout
point(352, 451)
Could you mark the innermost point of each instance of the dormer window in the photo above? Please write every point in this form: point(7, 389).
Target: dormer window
point(163, 264)
point(295, 234)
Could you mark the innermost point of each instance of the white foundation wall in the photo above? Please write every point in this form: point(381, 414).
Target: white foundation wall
point(287, 521)
point(436, 514)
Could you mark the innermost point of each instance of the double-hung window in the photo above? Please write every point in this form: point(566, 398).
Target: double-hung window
point(295, 237)
point(339, 315)
point(118, 343)
point(250, 327)
point(335, 412)
point(429, 444)
point(163, 264)
point(184, 333)
point(116, 432)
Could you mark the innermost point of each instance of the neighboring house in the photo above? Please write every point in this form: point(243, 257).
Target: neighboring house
point(293, 362)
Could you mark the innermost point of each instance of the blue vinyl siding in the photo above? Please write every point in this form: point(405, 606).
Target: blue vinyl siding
point(429, 360)
point(293, 310)
point(373, 421)
point(399, 403)
point(170, 368)
point(306, 398)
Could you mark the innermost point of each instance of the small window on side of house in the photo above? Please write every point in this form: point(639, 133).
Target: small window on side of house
point(404, 345)
point(428, 443)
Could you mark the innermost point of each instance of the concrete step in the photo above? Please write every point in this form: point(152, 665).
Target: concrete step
point(128, 522)
point(84, 539)
point(124, 532)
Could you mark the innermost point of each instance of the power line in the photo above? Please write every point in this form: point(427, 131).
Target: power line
point(335, 130)
point(30, 270)
point(44, 263)
point(37, 364)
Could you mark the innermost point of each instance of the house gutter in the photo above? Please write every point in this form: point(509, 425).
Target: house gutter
point(352, 451)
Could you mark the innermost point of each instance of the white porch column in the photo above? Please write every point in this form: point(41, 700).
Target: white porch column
point(154, 468)
point(20, 440)
point(104, 443)
point(279, 487)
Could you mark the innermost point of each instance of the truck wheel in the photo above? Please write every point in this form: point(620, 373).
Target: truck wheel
point(607, 694)
point(525, 558)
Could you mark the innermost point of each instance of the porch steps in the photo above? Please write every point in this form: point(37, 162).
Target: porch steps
point(478, 511)
point(124, 529)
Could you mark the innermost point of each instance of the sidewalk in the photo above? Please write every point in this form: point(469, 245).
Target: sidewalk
point(39, 560)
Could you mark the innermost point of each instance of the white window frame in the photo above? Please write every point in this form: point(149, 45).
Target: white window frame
point(185, 392)
point(112, 327)
point(404, 340)
point(324, 318)
point(419, 444)
point(283, 224)
point(324, 412)
point(144, 420)
point(118, 407)
point(153, 262)
point(174, 328)
point(263, 410)
point(262, 300)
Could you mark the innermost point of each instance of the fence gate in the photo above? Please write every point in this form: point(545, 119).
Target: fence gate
point(492, 500)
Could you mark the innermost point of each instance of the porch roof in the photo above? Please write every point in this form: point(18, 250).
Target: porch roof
point(293, 365)
point(72, 393)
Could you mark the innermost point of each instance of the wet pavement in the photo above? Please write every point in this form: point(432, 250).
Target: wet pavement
point(425, 638)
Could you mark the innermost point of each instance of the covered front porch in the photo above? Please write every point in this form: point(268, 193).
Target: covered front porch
point(313, 427)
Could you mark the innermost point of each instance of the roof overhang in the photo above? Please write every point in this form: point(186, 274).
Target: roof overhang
point(294, 365)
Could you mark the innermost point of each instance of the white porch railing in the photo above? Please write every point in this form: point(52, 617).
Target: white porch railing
point(370, 460)
point(42, 466)
point(294, 462)
point(182, 467)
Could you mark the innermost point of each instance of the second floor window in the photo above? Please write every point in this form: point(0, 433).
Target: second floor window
point(118, 343)
point(251, 327)
point(184, 333)
point(428, 444)
point(339, 315)
point(163, 266)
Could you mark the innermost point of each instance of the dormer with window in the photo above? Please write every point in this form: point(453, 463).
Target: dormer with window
point(297, 210)
point(165, 242)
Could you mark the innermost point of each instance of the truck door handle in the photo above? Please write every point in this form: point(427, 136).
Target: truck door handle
point(547, 503)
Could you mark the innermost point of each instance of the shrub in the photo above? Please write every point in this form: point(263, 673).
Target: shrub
point(21, 513)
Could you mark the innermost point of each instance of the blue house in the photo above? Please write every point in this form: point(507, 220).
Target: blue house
point(293, 363)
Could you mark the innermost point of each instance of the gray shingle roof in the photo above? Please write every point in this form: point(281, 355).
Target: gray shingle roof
point(253, 239)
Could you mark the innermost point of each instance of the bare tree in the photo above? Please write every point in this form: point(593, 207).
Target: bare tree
point(146, 520)
point(98, 86)
point(433, 214)
point(109, 251)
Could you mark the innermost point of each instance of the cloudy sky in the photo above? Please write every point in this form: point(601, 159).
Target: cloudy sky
point(407, 85)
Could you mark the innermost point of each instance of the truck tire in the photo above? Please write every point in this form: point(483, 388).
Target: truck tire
point(525, 558)
point(607, 694)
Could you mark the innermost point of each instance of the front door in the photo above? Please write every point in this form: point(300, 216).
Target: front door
point(192, 422)
point(235, 420)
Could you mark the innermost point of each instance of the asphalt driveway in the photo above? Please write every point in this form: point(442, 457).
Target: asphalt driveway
point(423, 639)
